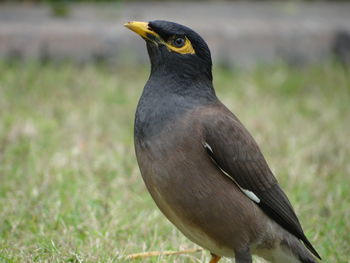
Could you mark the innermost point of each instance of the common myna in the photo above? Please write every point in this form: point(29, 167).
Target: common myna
point(202, 167)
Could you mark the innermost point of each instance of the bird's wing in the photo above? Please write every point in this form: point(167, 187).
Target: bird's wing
point(237, 155)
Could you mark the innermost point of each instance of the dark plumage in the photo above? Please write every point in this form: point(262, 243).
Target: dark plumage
point(202, 167)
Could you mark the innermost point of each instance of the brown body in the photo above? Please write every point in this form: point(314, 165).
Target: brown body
point(208, 208)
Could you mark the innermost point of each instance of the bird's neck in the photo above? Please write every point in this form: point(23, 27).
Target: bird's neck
point(186, 73)
point(192, 87)
point(166, 98)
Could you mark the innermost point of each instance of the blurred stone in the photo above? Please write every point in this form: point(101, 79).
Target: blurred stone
point(239, 33)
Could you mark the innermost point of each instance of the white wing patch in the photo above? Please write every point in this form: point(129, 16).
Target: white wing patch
point(251, 195)
point(206, 145)
point(248, 193)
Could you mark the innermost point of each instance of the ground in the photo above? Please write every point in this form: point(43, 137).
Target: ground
point(70, 187)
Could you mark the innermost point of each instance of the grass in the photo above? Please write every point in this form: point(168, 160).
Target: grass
point(70, 188)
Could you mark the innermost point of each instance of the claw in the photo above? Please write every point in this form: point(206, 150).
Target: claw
point(214, 258)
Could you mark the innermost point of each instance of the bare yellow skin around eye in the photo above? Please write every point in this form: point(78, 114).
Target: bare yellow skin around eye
point(185, 49)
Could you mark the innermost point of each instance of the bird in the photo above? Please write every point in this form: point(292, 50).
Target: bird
point(201, 166)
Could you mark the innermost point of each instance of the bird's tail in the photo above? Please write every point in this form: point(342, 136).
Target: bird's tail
point(298, 249)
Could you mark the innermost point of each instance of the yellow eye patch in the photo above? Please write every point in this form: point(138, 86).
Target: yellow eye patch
point(186, 48)
point(173, 44)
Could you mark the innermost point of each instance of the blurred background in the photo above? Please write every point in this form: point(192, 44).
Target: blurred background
point(239, 33)
point(70, 79)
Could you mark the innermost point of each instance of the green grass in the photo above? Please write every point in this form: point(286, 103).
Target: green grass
point(70, 188)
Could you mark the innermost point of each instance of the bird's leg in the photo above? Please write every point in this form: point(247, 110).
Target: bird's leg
point(214, 258)
point(243, 256)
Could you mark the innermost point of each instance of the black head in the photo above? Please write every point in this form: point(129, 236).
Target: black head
point(175, 49)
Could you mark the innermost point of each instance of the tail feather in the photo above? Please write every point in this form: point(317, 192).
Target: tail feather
point(299, 250)
point(311, 248)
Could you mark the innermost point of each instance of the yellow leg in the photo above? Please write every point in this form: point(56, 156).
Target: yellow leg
point(214, 258)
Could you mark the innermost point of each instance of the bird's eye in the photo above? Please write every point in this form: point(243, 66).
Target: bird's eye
point(179, 42)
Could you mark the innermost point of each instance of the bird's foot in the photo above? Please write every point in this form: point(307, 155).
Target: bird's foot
point(214, 258)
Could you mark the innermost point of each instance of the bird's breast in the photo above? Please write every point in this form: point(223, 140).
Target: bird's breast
point(190, 190)
point(170, 170)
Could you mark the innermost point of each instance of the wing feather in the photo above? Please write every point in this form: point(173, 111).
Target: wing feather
point(235, 151)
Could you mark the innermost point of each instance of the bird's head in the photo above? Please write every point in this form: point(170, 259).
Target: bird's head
point(175, 49)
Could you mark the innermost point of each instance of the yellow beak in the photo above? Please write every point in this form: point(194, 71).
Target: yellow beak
point(142, 29)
